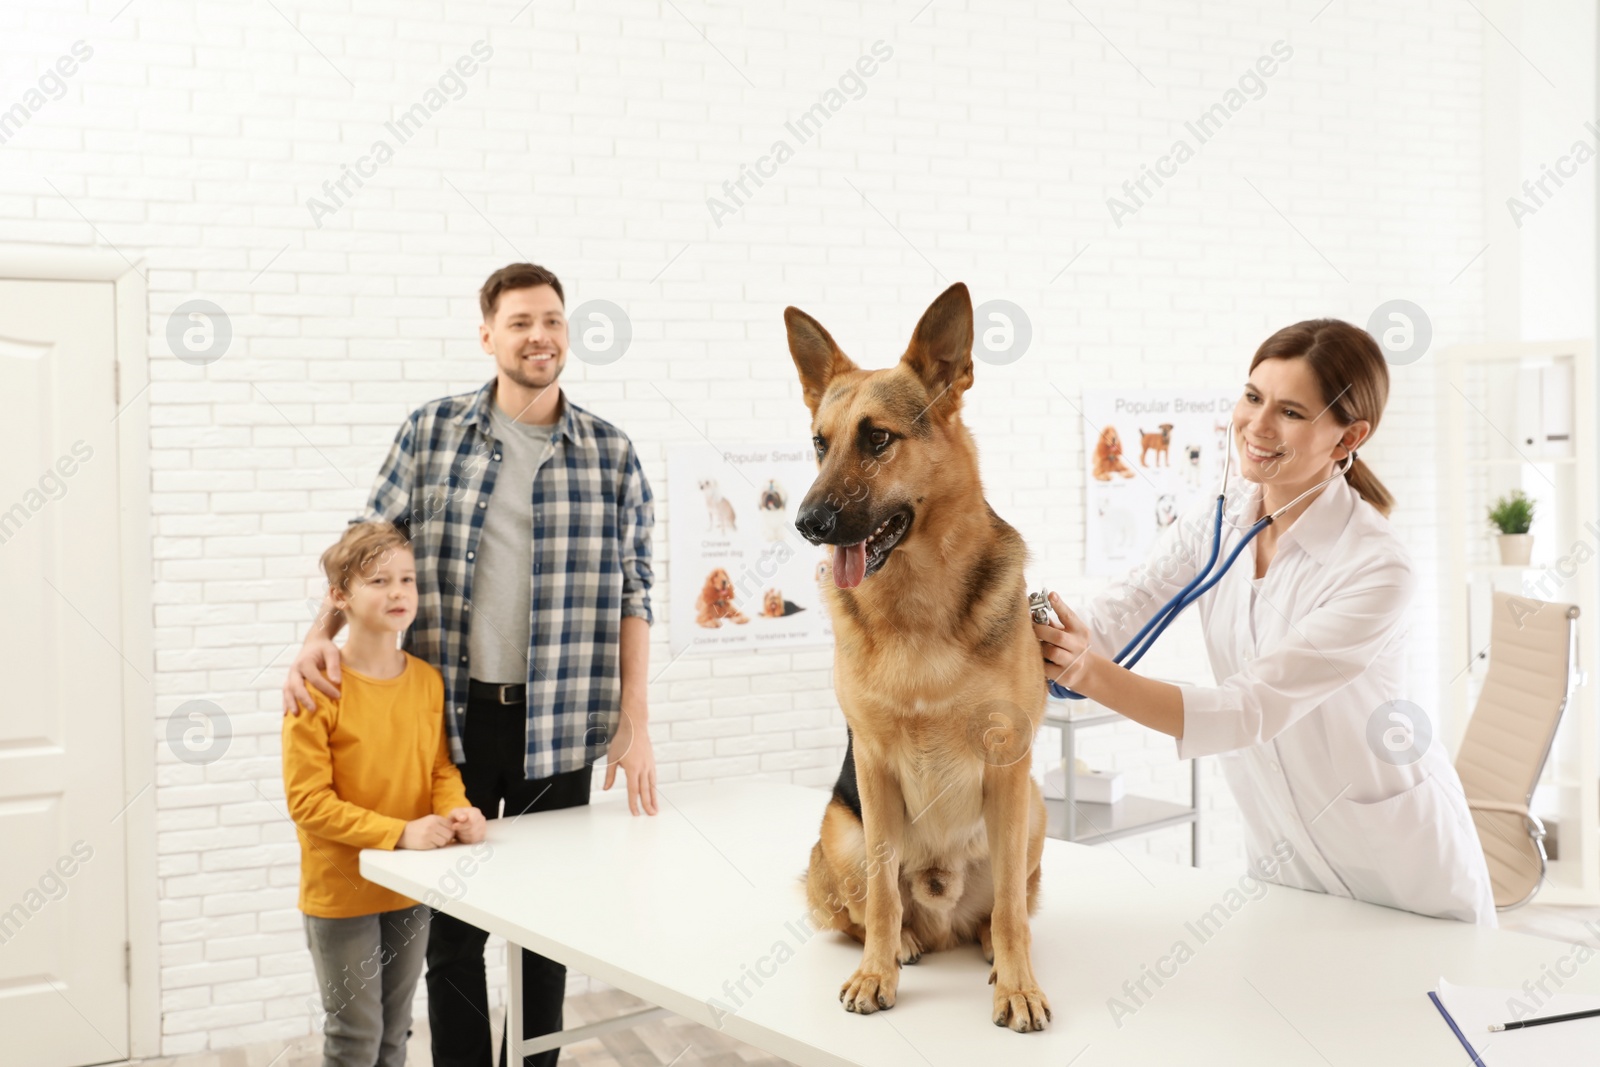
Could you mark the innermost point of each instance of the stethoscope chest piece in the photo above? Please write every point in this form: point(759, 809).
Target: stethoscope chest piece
point(1039, 607)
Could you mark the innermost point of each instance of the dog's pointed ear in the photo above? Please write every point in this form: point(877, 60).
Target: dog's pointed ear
point(940, 353)
point(816, 356)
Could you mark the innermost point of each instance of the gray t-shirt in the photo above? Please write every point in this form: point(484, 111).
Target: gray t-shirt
point(502, 575)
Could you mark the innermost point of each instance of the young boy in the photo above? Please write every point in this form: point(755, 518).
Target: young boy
point(371, 769)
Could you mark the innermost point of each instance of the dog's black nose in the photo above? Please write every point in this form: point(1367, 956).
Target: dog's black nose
point(815, 522)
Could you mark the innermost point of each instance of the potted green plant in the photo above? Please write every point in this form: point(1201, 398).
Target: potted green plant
point(1513, 516)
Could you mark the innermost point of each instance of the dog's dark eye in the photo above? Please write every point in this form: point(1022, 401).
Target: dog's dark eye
point(821, 446)
point(879, 438)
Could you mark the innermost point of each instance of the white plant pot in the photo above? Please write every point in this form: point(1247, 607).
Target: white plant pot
point(1515, 549)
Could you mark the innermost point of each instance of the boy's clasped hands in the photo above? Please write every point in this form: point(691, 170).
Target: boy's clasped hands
point(466, 825)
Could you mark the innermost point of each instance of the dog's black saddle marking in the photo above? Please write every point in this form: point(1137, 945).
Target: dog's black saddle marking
point(845, 790)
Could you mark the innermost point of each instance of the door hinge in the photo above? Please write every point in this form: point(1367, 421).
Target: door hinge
point(116, 383)
point(127, 963)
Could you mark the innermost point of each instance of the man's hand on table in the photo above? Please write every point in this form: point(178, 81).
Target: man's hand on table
point(631, 750)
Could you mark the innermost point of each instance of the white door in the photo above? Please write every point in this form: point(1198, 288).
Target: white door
point(63, 899)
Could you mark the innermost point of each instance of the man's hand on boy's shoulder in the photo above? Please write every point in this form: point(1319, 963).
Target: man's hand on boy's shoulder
point(316, 656)
point(469, 825)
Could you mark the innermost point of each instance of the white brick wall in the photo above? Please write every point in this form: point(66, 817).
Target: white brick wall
point(983, 150)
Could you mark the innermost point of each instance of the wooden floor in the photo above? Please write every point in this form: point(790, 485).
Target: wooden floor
point(670, 1041)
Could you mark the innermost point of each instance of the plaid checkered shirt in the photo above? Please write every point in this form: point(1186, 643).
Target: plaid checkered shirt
point(592, 515)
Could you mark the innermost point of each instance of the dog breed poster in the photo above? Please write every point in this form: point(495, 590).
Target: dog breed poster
point(742, 575)
point(1151, 455)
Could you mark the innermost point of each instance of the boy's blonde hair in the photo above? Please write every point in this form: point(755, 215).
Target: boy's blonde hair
point(364, 547)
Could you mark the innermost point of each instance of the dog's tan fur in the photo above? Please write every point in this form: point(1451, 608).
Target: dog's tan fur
point(936, 670)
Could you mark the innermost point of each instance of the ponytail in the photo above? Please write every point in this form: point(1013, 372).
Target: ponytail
point(1364, 482)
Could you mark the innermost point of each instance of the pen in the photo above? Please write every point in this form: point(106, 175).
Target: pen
point(1592, 1013)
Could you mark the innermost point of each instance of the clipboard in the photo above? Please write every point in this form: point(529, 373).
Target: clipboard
point(1469, 1011)
point(1450, 1021)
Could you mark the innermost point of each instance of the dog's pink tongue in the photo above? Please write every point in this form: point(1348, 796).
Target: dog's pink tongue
point(849, 565)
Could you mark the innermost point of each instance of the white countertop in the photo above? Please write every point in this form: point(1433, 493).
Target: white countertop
point(677, 908)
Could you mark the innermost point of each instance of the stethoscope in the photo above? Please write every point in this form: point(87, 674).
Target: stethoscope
point(1146, 638)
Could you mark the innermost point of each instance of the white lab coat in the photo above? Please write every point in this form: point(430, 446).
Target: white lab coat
point(1303, 659)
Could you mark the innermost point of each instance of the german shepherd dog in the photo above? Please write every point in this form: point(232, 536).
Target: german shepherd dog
point(936, 668)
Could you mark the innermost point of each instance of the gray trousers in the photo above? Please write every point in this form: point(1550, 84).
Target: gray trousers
point(367, 971)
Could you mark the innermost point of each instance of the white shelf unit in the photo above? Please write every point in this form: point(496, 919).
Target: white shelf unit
point(1089, 823)
point(1504, 408)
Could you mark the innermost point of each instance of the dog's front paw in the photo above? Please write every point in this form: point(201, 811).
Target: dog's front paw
point(910, 947)
point(1020, 1009)
point(867, 990)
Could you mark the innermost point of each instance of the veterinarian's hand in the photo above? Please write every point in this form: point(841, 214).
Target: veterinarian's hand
point(315, 656)
point(631, 750)
point(1065, 647)
point(469, 825)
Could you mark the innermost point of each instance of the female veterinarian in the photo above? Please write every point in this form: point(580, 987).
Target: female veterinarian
point(1307, 638)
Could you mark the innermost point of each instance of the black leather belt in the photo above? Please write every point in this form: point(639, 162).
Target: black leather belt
point(496, 693)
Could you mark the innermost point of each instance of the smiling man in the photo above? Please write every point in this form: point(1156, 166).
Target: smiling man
point(530, 521)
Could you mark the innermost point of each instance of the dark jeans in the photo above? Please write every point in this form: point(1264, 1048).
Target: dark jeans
point(493, 738)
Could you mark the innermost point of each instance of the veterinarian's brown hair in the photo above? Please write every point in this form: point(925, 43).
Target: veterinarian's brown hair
point(1354, 378)
point(515, 276)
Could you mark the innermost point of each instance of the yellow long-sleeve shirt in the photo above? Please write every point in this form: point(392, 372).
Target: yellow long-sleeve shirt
point(355, 771)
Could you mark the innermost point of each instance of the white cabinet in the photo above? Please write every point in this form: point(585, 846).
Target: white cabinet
point(1544, 392)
